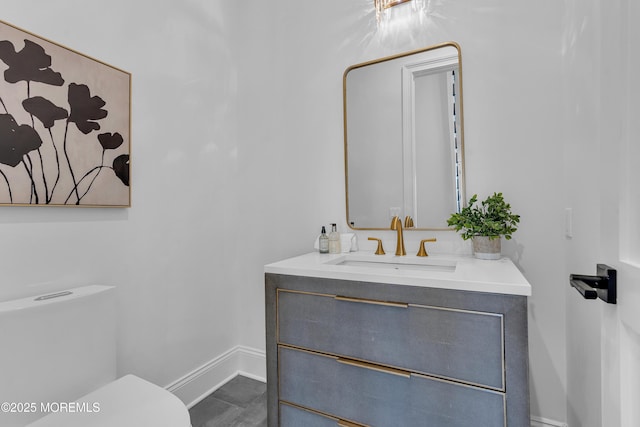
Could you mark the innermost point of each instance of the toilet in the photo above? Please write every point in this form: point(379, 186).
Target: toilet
point(58, 366)
point(127, 401)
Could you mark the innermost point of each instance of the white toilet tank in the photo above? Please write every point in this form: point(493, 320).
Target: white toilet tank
point(54, 349)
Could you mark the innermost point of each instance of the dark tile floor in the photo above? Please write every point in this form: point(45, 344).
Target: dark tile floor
point(242, 402)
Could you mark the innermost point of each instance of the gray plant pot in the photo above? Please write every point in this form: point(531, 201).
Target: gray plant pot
point(485, 248)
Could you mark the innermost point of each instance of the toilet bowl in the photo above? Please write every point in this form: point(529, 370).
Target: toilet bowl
point(58, 366)
point(129, 401)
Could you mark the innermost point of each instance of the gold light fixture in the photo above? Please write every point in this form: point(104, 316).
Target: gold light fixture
point(383, 7)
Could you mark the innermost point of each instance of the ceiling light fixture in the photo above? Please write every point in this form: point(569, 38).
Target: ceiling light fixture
point(384, 12)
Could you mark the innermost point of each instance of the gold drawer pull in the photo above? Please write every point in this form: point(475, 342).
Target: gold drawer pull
point(343, 423)
point(373, 367)
point(371, 301)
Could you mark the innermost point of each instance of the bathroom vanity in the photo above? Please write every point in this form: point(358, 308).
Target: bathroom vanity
point(357, 339)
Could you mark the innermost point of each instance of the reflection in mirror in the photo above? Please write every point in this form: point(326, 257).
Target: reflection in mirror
point(404, 138)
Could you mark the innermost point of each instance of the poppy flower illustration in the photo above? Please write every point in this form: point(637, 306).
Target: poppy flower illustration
point(110, 141)
point(31, 64)
point(121, 168)
point(46, 111)
point(53, 149)
point(85, 109)
point(16, 140)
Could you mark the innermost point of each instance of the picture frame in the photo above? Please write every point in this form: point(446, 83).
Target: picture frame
point(65, 125)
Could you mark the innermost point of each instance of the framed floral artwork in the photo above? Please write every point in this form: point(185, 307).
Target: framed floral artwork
point(65, 124)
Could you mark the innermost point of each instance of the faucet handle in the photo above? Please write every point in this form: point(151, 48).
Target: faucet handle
point(422, 251)
point(408, 222)
point(380, 249)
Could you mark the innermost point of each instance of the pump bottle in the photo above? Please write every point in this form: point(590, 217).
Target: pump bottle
point(323, 242)
point(334, 240)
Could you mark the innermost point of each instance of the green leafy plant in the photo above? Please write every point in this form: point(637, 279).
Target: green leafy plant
point(492, 218)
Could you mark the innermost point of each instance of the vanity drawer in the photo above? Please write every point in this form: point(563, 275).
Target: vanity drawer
point(376, 396)
point(291, 416)
point(453, 344)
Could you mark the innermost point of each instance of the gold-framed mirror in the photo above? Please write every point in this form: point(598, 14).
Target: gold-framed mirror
point(404, 138)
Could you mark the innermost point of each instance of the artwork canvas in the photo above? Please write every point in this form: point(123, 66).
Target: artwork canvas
point(64, 125)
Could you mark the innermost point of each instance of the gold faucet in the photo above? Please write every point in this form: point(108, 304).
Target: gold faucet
point(396, 224)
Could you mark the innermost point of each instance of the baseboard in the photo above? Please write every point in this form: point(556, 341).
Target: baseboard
point(252, 363)
point(201, 382)
point(544, 422)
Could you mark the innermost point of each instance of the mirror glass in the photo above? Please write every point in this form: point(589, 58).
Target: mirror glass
point(403, 133)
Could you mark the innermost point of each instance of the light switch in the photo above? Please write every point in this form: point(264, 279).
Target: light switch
point(568, 223)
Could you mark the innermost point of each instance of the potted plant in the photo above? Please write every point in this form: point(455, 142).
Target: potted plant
point(485, 223)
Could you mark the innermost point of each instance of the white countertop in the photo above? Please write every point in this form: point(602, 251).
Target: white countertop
point(458, 272)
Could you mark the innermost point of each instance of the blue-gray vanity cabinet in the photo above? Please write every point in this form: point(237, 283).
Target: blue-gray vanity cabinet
point(354, 353)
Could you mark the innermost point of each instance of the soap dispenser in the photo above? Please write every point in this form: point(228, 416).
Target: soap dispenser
point(323, 241)
point(334, 240)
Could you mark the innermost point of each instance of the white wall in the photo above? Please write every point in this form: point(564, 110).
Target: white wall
point(168, 253)
point(581, 55)
point(237, 161)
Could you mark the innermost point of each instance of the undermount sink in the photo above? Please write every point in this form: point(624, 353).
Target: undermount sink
point(395, 262)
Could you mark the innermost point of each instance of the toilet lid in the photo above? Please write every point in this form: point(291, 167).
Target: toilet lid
point(127, 402)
